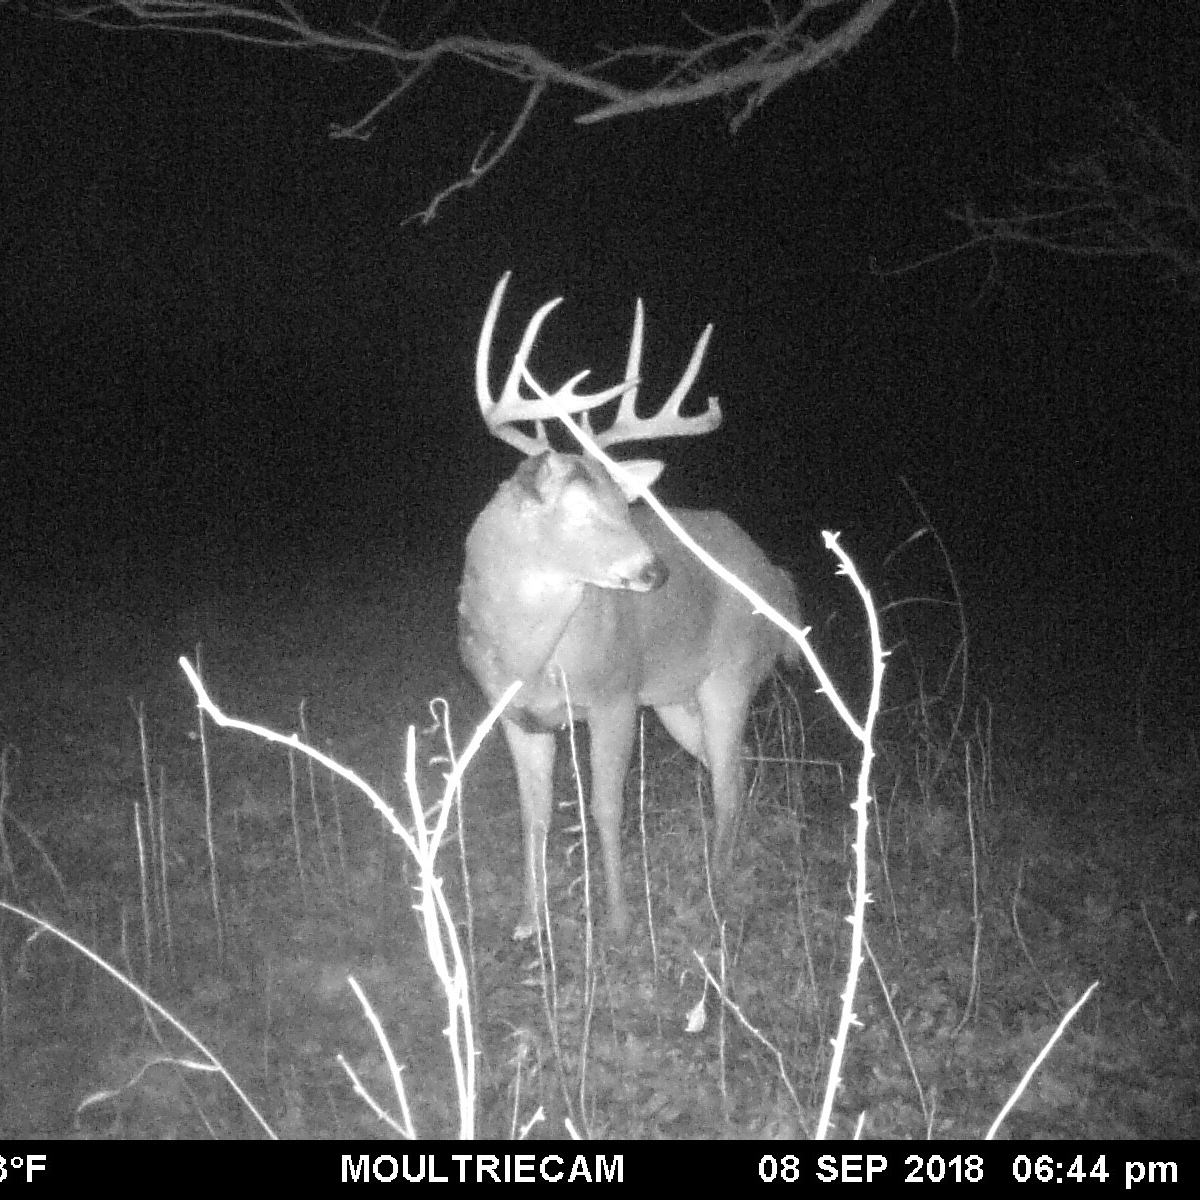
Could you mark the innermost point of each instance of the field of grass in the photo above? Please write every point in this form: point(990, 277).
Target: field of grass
point(1007, 874)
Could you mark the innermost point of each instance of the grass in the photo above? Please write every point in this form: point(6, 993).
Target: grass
point(1003, 883)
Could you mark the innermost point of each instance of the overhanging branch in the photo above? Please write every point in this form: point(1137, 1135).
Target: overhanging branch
point(744, 67)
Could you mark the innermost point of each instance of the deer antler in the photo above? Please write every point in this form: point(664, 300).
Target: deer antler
point(501, 415)
point(627, 426)
point(512, 406)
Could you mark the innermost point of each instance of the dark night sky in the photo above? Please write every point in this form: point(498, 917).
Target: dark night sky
point(224, 351)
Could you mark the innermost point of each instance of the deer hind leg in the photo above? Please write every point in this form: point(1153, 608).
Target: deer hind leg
point(612, 727)
point(710, 730)
point(724, 706)
point(683, 723)
point(533, 756)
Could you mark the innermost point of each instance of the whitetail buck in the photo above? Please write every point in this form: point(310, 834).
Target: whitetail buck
point(571, 590)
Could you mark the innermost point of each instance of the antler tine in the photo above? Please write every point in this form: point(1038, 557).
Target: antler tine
point(512, 406)
point(483, 391)
point(667, 422)
point(633, 368)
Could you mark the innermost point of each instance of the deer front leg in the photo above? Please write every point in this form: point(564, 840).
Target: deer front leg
point(533, 757)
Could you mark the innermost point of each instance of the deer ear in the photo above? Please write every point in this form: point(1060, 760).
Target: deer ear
point(643, 470)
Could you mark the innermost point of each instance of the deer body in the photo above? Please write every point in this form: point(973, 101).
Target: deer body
point(576, 592)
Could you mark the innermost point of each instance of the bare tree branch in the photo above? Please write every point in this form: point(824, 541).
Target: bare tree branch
point(1135, 197)
point(771, 57)
point(482, 165)
point(744, 67)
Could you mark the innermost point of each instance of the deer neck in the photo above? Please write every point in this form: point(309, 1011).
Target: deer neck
point(513, 616)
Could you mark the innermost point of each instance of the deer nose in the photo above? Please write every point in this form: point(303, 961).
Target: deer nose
point(652, 576)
